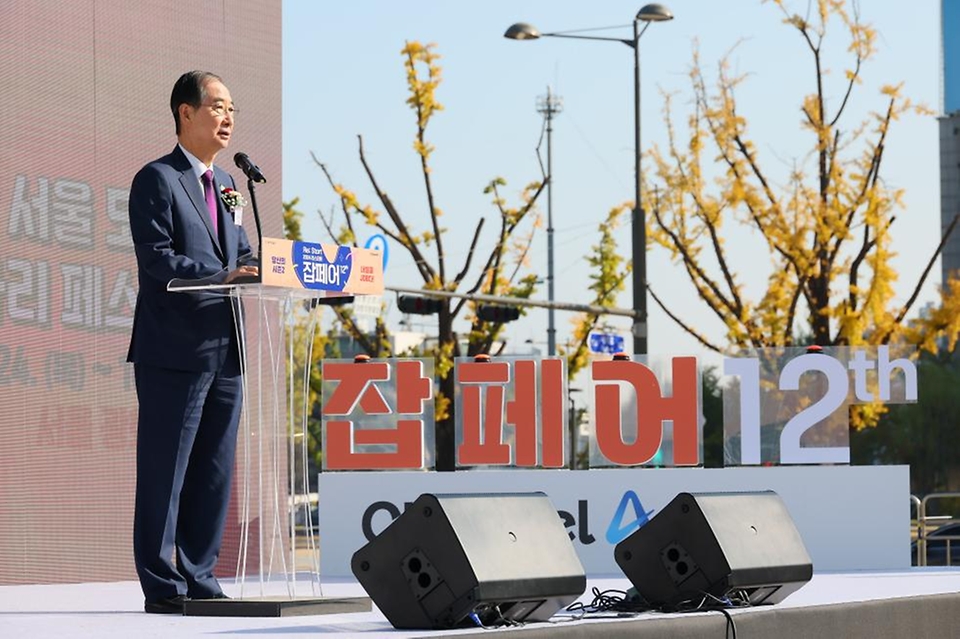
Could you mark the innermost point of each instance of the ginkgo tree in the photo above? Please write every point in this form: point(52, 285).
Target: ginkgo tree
point(609, 271)
point(826, 225)
point(499, 271)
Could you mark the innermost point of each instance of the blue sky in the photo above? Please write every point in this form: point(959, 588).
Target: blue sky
point(343, 76)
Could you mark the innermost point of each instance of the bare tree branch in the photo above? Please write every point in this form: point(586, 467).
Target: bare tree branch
point(693, 266)
point(700, 89)
point(792, 313)
point(926, 271)
point(708, 222)
point(679, 322)
point(328, 225)
point(426, 270)
point(520, 215)
point(343, 203)
point(345, 208)
point(470, 252)
point(425, 168)
point(870, 180)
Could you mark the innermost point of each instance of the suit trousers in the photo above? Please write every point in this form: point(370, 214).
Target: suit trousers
point(186, 445)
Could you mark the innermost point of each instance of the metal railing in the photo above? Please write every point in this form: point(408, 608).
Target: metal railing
point(932, 536)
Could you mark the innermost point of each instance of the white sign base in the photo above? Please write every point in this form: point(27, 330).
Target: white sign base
point(850, 517)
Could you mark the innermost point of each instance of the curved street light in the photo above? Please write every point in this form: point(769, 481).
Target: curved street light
point(647, 14)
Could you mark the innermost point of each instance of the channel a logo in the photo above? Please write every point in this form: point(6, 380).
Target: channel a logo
point(617, 531)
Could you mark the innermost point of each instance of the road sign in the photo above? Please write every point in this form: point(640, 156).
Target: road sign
point(608, 343)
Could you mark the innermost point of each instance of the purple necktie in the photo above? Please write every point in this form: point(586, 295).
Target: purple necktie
point(211, 197)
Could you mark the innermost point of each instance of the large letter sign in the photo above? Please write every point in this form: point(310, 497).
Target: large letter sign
point(790, 405)
point(646, 415)
point(385, 411)
point(780, 406)
point(493, 395)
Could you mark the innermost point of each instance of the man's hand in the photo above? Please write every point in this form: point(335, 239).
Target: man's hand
point(244, 272)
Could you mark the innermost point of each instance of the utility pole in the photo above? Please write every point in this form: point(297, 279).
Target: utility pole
point(550, 105)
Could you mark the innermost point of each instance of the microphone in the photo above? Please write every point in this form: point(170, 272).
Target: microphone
point(251, 170)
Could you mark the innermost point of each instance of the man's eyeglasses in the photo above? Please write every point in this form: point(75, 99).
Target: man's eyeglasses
point(219, 109)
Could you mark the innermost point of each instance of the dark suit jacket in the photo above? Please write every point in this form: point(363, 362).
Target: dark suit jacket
point(173, 238)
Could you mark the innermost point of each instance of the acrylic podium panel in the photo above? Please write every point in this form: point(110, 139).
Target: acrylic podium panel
point(271, 544)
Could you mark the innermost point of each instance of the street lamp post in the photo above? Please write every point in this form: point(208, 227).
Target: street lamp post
point(647, 14)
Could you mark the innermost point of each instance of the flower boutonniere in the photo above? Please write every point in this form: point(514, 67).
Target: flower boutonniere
point(232, 198)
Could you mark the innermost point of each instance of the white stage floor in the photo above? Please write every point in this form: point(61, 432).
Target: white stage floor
point(115, 610)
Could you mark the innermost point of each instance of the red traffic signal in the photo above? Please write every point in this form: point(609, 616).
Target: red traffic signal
point(494, 313)
point(415, 305)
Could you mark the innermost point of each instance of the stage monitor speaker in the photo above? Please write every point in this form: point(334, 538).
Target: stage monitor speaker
point(721, 544)
point(459, 560)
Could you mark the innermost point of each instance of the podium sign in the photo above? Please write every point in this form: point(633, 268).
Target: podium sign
point(330, 268)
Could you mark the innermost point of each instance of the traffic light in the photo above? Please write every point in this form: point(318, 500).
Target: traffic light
point(415, 305)
point(494, 313)
point(339, 300)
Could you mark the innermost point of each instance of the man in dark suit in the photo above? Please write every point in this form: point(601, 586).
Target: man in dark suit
point(185, 350)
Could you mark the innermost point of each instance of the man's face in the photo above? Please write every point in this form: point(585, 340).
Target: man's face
point(207, 128)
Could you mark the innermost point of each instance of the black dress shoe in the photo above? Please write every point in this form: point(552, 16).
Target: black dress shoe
point(165, 606)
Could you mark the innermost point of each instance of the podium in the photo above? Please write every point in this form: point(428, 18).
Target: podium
point(272, 536)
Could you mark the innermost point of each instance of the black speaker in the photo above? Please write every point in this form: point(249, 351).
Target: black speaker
point(459, 560)
point(719, 544)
